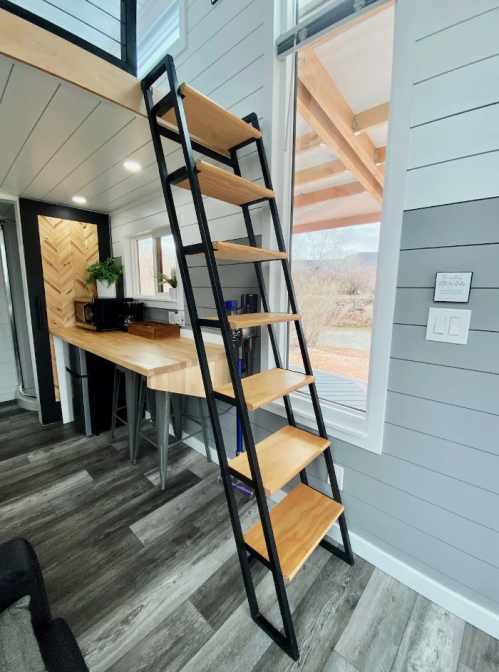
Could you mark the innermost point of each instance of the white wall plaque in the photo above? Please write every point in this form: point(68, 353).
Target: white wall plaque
point(453, 287)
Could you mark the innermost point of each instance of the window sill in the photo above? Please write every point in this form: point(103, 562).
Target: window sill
point(345, 424)
point(159, 302)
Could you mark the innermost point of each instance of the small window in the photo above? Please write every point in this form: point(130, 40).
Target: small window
point(150, 263)
point(160, 30)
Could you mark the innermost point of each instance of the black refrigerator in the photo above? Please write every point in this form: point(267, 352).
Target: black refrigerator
point(92, 379)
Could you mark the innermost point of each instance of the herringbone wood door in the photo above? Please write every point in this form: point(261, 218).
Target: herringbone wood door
point(67, 248)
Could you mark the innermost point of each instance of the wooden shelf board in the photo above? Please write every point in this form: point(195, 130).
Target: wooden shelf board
point(257, 319)
point(300, 522)
point(210, 124)
point(235, 252)
point(225, 186)
point(281, 456)
point(262, 388)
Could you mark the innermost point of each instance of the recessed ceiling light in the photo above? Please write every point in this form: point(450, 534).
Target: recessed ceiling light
point(79, 199)
point(132, 166)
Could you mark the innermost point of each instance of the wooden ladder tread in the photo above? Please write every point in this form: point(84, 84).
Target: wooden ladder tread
point(281, 456)
point(300, 521)
point(210, 124)
point(257, 319)
point(264, 387)
point(225, 186)
point(235, 252)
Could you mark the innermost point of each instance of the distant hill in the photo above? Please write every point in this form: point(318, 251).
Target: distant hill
point(360, 261)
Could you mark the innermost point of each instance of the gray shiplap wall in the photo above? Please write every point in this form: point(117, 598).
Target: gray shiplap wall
point(430, 498)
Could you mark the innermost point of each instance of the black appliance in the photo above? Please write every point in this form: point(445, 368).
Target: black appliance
point(108, 314)
point(93, 380)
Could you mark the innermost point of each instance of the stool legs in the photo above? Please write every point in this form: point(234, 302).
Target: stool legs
point(163, 414)
point(202, 420)
point(140, 413)
point(116, 394)
point(132, 381)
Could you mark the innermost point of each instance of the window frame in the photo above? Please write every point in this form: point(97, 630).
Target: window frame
point(131, 272)
point(364, 430)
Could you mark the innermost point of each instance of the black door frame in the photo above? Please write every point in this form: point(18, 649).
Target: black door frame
point(30, 210)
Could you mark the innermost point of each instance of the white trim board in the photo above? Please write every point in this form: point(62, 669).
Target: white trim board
point(436, 592)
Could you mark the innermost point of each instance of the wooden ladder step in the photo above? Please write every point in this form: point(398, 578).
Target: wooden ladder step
point(235, 252)
point(257, 319)
point(281, 456)
point(300, 521)
point(225, 186)
point(264, 387)
point(210, 124)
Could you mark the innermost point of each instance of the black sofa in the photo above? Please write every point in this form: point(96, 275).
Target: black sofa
point(20, 575)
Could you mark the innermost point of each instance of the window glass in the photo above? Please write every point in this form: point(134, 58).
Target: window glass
point(341, 130)
point(167, 260)
point(158, 28)
point(145, 256)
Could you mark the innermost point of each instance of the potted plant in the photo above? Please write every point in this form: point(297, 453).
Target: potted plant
point(172, 281)
point(105, 274)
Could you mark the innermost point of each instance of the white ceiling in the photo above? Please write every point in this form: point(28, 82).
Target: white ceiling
point(57, 140)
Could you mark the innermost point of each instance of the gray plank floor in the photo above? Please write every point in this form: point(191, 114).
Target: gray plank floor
point(149, 580)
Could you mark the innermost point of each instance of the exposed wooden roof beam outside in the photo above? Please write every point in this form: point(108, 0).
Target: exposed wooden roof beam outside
point(307, 227)
point(307, 141)
point(331, 194)
point(321, 122)
point(316, 80)
point(319, 172)
point(369, 119)
point(380, 156)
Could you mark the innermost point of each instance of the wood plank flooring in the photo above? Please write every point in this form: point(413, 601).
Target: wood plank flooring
point(149, 580)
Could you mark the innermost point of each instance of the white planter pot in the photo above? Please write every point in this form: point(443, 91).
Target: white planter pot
point(105, 292)
point(173, 294)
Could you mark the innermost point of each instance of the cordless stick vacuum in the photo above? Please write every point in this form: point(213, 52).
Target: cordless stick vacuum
point(243, 340)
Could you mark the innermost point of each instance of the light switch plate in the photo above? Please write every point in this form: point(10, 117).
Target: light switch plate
point(448, 326)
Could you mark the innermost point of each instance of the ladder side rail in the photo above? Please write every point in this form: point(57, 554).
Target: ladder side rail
point(266, 304)
point(233, 367)
point(203, 361)
point(253, 119)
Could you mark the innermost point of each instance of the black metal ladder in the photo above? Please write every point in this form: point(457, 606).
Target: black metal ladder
point(174, 101)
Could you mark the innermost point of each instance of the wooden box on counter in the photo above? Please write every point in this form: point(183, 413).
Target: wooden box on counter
point(154, 330)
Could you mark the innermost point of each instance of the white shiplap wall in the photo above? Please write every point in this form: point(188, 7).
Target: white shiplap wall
point(229, 59)
point(454, 154)
point(8, 376)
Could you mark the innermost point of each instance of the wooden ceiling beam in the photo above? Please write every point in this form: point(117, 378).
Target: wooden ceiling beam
point(307, 141)
point(319, 172)
point(331, 194)
point(369, 119)
point(314, 77)
point(316, 117)
point(380, 156)
point(341, 222)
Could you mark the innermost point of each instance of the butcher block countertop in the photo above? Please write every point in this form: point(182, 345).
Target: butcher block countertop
point(170, 364)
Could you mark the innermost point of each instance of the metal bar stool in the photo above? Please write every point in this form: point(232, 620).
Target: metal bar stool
point(167, 408)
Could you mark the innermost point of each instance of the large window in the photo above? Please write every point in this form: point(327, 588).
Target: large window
point(341, 129)
point(342, 216)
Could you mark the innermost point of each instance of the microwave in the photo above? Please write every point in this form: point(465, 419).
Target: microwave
point(107, 314)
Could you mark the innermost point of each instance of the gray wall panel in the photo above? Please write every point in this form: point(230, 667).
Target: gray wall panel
point(466, 464)
point(410, 343)
point(461, 425)
point(478, 391)
point(468, 536)
point(464, 500)
point(470, 223)
point(412, 304)
point(417, 268)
